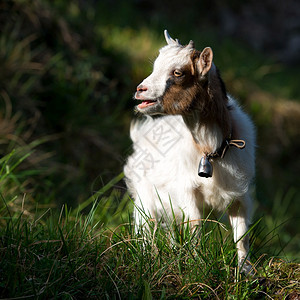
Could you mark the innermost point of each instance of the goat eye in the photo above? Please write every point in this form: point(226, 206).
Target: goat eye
point(177, 73)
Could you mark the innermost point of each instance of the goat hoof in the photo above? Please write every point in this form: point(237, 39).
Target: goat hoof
point(245, 267)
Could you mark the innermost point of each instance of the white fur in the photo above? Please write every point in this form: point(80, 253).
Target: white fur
point(170, 57)
point(165, 161)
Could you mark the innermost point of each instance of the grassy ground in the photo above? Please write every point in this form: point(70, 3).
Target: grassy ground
point(71, 256)
point(68, 254)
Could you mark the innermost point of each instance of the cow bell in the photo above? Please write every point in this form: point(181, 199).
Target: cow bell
point(205, 167)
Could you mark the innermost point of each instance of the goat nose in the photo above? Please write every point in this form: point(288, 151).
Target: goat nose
point(141, 88)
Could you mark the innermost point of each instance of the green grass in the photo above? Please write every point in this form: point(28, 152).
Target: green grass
point(68, 255)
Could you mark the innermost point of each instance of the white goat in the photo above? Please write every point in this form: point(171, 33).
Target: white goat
point(189, 116)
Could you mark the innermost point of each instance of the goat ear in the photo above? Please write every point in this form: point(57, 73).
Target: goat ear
point(205, 61)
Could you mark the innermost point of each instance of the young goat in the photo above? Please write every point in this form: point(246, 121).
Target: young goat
point(190, 119)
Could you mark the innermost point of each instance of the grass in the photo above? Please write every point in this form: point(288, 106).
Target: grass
point(68, 255)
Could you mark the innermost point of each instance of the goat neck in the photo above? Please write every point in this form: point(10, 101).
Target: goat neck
point(209, 119)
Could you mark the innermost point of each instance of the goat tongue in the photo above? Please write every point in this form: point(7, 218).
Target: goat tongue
point(146, 103)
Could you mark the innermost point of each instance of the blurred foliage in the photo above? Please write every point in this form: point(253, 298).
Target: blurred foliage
point(68, 72)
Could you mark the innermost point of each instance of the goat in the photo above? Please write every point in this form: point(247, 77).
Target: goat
point(190, 117)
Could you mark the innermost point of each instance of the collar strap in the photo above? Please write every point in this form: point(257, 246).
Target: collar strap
point(205, 168)
point(220, 152)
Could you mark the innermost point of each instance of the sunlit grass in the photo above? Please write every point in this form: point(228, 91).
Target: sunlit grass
point(67, 254)
point(140, 46)
point(57, 253)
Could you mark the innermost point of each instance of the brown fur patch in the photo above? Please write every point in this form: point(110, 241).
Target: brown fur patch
point(206, 96)
point(181, 91)
point(218, 95)
point(203, 149)
point(235, 134)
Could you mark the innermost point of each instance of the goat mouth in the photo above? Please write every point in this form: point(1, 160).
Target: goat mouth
point(146, 103)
